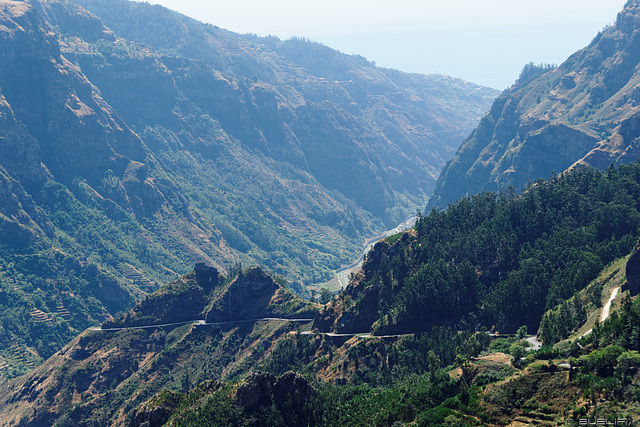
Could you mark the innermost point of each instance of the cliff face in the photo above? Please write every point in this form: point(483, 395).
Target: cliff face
point(205, 294)
point(632, 271)
point(357, 308)
point(583, 112)
point(254, 295)
point(78, 134)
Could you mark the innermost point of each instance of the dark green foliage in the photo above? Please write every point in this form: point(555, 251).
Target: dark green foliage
point(412, 399)
point(503, 260)
point(560, 323)
point(183, 143)
point(621, 329)
point(325, 295)
point(531, 71)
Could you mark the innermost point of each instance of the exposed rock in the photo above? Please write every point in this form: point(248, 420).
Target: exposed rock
point(182, 300)
point(584, 112)
point(156, 412)
point(247, 297)
point(356, 308)
point(207, 277)
point(124, 150)
point(291, 391)
point(256, 391)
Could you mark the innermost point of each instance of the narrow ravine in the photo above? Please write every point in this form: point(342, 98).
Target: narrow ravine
point(342, 274)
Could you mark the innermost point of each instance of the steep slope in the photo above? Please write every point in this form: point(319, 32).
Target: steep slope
point(495, 261)
point(86, 205)
point(122, 165)
point(485, 262)
point(376, 136)
point(153, 377)
point(583, 112)
point(101, 376)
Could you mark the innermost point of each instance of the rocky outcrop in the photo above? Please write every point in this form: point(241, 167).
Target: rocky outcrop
point(182, 300)
point(356, 309)
point(248, 296)
point(113, 153)
point(155, 413)
point(206, 276)
point(256, 391)
point(584, 112)
point(259, 390)
point(253, 294)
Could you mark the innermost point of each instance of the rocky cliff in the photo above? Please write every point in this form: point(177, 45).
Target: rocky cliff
point(632, 272)
point(253, 295)
point(204, 294)
point(357, 308)
point(583, 112)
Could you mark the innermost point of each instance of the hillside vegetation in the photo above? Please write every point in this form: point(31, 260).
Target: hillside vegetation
point(496, 260)
point(434, 369)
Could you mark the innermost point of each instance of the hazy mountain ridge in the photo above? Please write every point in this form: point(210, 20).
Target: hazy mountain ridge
point(489, 262)
point(365, 93)
point(585, 111)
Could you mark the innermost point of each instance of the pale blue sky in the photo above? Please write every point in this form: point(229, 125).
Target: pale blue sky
point(482, 41)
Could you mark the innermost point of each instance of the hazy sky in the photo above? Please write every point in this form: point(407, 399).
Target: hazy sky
point(482, 41)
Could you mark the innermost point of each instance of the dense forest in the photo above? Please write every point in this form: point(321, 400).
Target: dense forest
point(499, 260)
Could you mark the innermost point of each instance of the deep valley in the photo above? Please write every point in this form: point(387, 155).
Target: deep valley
point(184, 209)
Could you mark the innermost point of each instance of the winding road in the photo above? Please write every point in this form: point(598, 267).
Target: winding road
point(535, 344)
point(357, 334)
point(200, 323)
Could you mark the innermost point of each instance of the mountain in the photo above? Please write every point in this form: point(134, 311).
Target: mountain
point(136, 142)
point(554, 253)
point(583, 112)
point(120, 168)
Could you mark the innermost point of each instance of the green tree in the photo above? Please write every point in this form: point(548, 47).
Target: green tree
point(325, 295)
point(521, 333)
point(626, 362)
point(517, 352)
